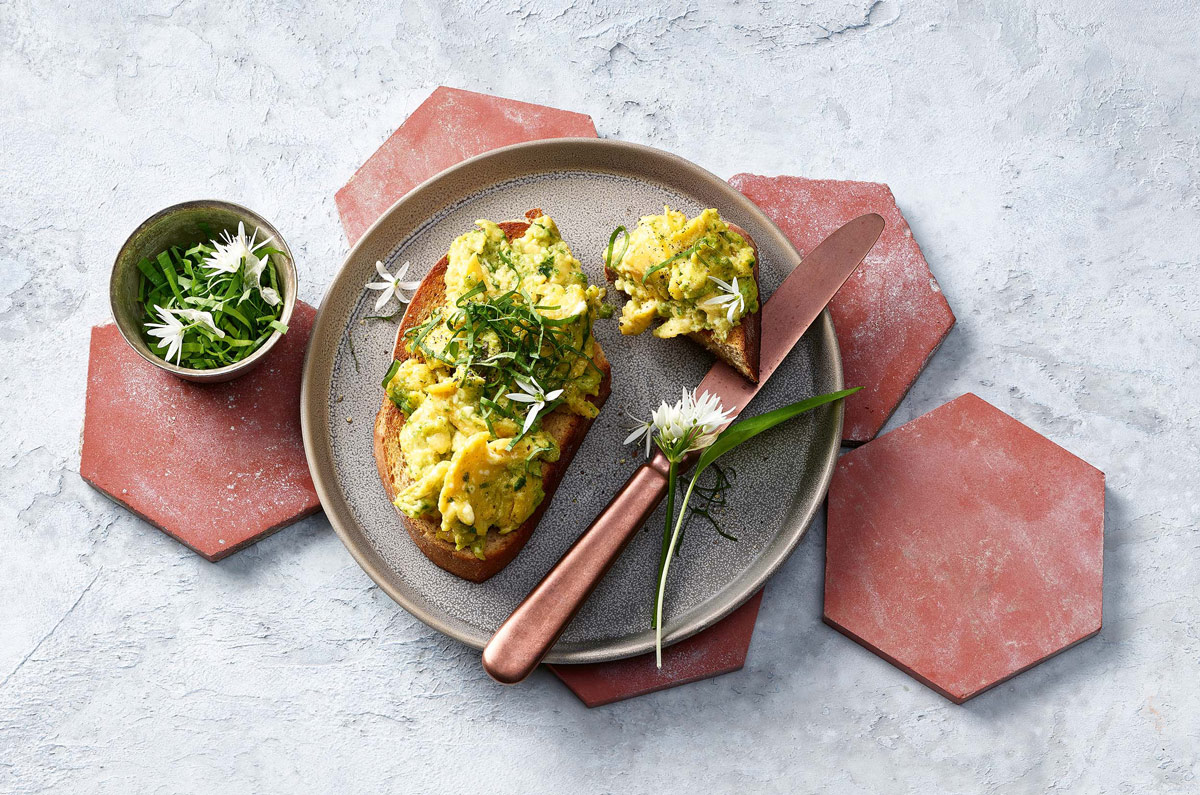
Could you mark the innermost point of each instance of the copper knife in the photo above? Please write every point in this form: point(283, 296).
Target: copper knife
point(527, 635)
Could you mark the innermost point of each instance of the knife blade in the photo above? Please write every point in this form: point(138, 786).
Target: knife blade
point(527, 635)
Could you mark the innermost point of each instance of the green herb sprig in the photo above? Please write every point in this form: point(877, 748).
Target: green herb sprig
point(691, 425)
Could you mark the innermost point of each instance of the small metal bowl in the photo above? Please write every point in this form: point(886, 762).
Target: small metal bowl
point(186, 225)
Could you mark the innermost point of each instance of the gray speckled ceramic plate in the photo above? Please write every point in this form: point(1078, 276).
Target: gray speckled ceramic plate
point(589, 187)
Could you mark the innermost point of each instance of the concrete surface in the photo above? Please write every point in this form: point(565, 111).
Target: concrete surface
point(1046, 155)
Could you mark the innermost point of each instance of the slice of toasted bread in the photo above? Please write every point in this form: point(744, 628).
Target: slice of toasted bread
point(740, 348)
point(567, 429)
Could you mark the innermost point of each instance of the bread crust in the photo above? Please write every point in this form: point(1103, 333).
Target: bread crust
point(740, 349)
point(567, 429)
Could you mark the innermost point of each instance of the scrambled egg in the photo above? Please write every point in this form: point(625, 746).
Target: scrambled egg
point(683, 291)
point(462, 440)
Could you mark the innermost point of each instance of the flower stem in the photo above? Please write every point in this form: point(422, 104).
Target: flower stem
point(662, 578)
point(672, 478)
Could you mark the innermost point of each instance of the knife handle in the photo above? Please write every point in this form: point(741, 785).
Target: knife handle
point(528, 634)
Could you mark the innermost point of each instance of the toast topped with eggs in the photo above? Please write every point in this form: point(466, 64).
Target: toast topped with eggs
point(698, 276)
point(495, 381)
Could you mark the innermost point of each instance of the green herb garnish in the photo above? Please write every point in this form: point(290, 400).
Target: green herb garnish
point(213, 304)
point(499, 343)
point(611, 261)
point(387, 377)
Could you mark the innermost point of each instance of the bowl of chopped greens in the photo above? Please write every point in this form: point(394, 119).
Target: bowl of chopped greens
point(204, 289)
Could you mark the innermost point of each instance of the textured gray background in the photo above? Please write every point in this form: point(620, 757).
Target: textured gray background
point(1047, 160)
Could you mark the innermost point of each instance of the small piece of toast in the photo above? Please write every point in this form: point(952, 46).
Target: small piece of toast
point(740, 348)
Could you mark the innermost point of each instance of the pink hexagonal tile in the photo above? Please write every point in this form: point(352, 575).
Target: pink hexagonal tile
point(890, 315)
point(446, 129)
point(718, 650)
point(215, 466)
point(964, 548)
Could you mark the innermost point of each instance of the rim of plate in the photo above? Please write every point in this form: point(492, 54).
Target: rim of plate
point(314, 393)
